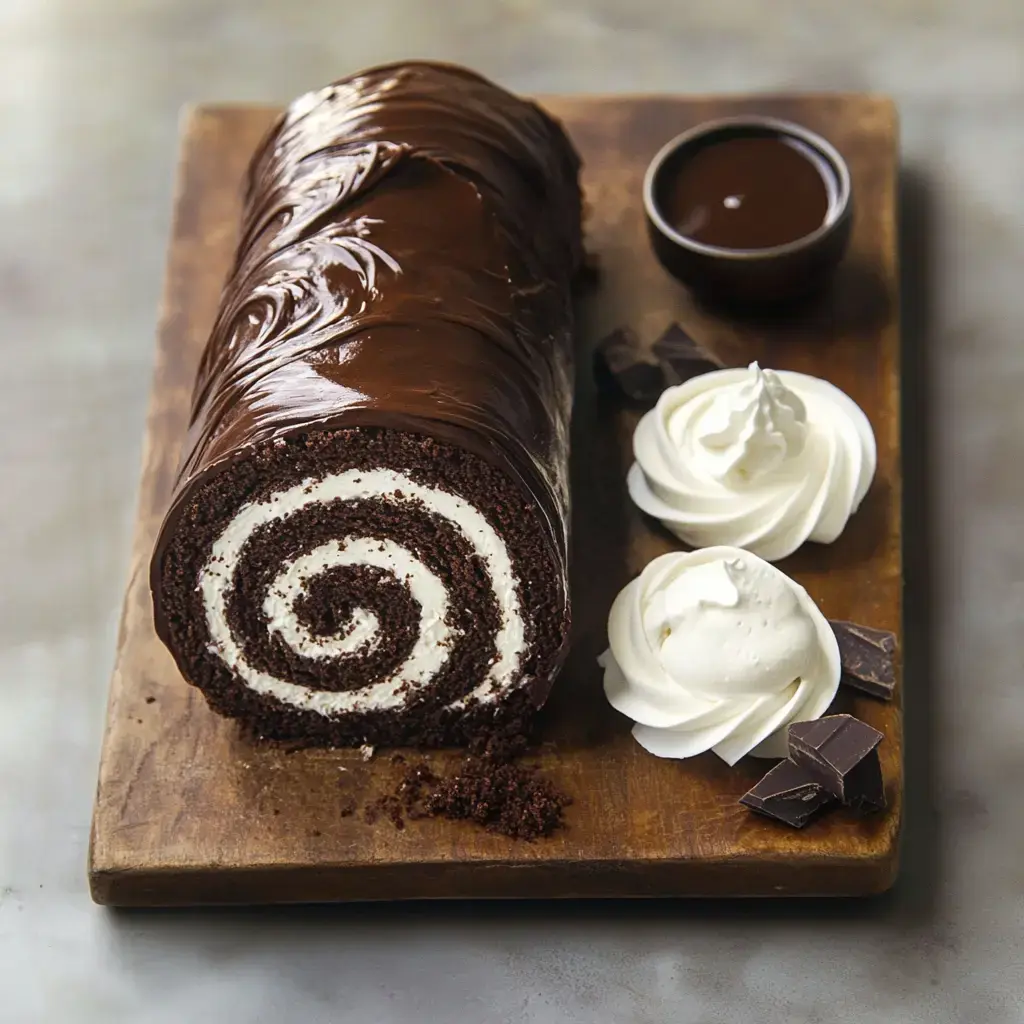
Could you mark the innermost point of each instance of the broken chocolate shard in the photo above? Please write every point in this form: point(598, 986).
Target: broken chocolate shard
point(841, 754)
point(787, 794)
point(867, 658)
point(623, 370)
point(682, 357)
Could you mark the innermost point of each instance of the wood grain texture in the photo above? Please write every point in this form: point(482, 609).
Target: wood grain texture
point(186, 812)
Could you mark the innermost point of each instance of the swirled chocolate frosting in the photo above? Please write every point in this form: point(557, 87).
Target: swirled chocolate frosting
point(408, 243)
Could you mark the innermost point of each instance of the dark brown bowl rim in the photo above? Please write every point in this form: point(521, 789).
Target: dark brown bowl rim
point(758, 123)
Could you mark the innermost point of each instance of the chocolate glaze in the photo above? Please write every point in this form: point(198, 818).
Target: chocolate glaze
point(409, 239)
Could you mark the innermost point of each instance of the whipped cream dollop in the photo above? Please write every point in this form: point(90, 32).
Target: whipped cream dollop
point(756, 459)
point(717, 650)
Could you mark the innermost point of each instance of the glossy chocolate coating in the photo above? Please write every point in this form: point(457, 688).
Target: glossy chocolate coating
point(409, 239)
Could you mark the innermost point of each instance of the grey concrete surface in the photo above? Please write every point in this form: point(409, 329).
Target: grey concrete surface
point(89, 93)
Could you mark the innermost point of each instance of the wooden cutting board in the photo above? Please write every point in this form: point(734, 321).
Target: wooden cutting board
point(187, 812)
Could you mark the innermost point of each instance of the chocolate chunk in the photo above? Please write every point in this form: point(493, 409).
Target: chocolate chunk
point(787, 794)
point(840, 753)
point(683, 358)
point(621, 369)
point(867, 657)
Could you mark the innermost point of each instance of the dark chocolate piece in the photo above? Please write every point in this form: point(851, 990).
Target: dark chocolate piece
point(681, 357)
point(622, 370)
point(840, 752)
point(867, 658)
point(787, 794)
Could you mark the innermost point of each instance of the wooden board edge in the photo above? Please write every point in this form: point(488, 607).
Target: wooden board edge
point(895, 390)
point(364, 883)
point(158, 885)
point(190, 115)
point(168, 884)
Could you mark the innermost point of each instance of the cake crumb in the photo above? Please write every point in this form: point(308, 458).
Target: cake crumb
point(490, 790)
point(151, 700)
point(388, 806)
point(503, 797)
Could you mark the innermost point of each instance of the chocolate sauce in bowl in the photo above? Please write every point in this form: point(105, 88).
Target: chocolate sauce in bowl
point(750, 192)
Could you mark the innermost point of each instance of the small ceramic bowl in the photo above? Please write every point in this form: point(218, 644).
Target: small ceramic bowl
point(772, 275)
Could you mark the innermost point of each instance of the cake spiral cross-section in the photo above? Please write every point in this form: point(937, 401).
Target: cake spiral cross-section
point(367, 542)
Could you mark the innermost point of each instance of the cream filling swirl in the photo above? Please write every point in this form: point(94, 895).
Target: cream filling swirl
point(360, 635)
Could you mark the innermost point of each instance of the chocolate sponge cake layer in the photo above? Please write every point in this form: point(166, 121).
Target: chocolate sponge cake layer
point(367, 542)
point(458, 699)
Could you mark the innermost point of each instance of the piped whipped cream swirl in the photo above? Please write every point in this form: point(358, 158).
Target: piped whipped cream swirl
point(717, 650)
point(756, 459)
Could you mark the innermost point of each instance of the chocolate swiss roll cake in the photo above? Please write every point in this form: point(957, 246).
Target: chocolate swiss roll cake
point(367, 540)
